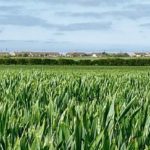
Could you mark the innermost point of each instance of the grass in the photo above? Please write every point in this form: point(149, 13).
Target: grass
point(77, 69)
point(91, 70)
point(74, 108)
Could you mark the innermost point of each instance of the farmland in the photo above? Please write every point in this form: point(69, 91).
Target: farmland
point(74, 107)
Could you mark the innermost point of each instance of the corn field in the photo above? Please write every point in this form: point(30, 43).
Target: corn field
point(56, 111)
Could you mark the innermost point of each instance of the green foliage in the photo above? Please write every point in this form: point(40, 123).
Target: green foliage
point(66, 62)
point(81, 62)
point(85, 62)
point(47, 110)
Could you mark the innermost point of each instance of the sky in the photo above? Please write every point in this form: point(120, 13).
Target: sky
point(75, 25)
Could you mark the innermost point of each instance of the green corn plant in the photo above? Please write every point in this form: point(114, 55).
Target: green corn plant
point(59, 110)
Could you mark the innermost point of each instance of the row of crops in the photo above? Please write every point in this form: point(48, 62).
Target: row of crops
point(51, 111)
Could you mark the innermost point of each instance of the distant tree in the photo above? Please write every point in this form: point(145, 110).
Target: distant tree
point(24, 55)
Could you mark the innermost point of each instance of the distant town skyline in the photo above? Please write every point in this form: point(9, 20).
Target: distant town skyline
point(75, 25)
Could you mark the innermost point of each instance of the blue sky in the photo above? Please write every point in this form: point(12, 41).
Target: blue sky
point(75, 25)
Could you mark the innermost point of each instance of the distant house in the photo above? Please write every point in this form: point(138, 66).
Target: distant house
point(30, 54)
point(34, 54)
point(131, 54)
point(147, 55)
point(76, 54)
point(52, 54)
point(94, 55)
point(21, 54)
point(4, 54)
point(103, 54)
point(12, 54)
point(140, 54)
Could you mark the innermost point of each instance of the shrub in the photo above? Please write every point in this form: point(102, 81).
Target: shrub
point(66, 62)
point(100, 62)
